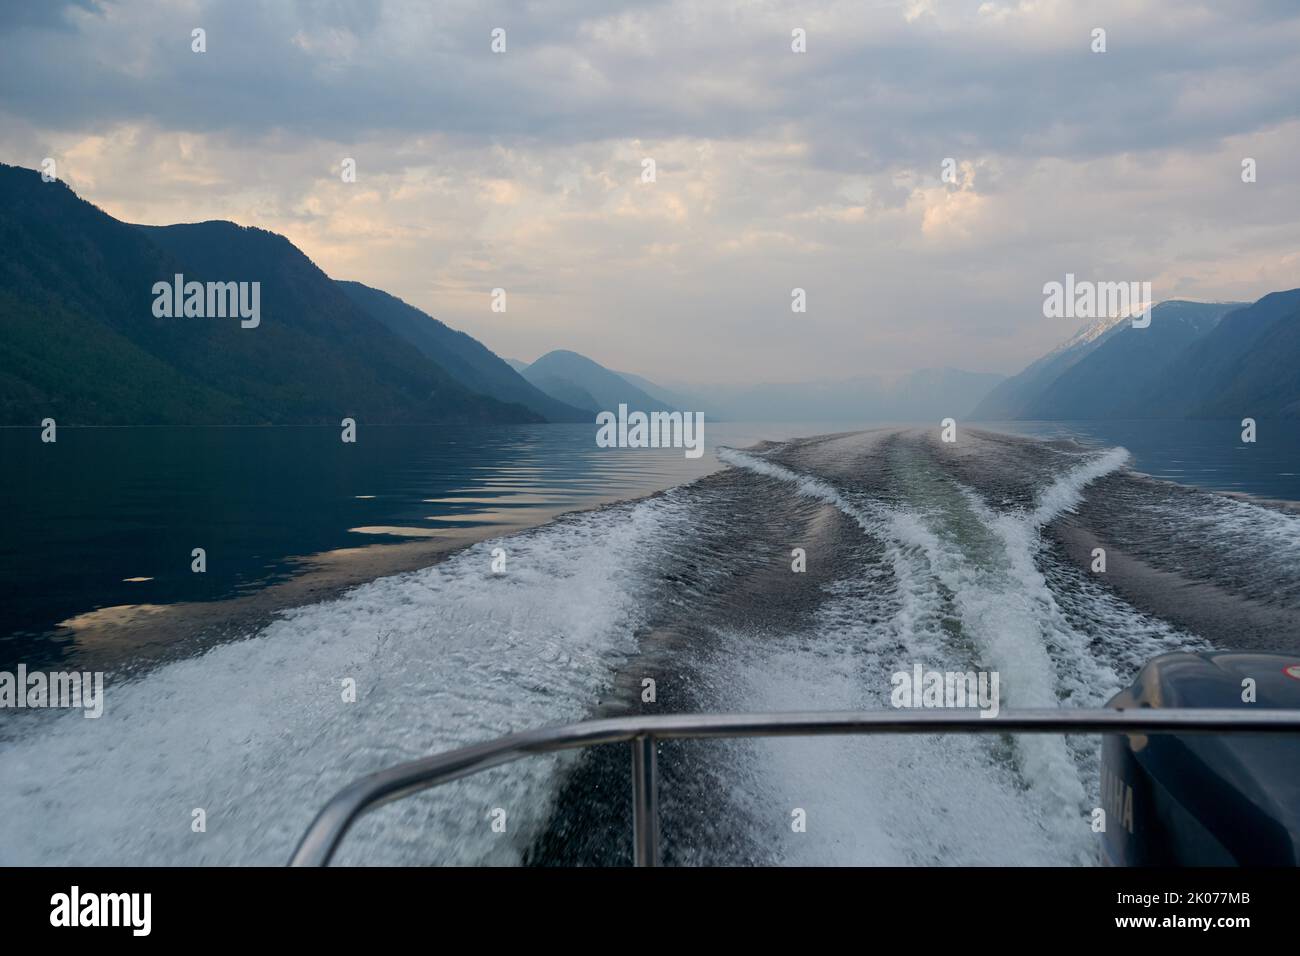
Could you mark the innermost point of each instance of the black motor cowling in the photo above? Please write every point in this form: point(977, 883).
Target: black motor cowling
point(1200, 799)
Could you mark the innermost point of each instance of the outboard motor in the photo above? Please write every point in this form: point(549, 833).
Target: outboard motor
point(1204, 799)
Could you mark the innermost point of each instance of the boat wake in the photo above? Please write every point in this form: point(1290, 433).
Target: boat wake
point(954, 557)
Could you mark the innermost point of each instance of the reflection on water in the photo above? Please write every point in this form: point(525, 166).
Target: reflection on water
point(107, 519)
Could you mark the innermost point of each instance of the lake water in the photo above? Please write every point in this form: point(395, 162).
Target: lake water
point(1206, 454)
point(966, 556)
point(109, 517)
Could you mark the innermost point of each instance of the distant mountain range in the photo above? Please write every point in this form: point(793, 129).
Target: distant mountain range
point(468, 360)
point(1195, 360)
point(923, 395)
point(917, 396)
point(1247, 365)
point(83, 343)
point(576, 379)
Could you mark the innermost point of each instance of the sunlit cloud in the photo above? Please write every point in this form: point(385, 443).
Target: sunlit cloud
point(772, 169)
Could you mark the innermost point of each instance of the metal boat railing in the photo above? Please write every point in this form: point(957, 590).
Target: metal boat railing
point(326, 832)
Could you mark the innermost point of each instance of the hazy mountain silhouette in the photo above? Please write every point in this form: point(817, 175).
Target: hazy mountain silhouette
point(1195, 360)
point(577, 380)
point(1011, 398)
point(83, 345)
point(80, 343)
point(678, 398)
point(922, 395)
point(913, 396)
point(468, 360)
point(1247, 366)
point(1111, 379)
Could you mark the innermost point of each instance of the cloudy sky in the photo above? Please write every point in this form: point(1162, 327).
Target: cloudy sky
point(775, 169)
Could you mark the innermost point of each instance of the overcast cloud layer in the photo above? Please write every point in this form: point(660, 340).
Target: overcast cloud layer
point(775, 169)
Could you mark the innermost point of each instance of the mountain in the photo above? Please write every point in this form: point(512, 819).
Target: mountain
point(932, 394)
point(576, 379)
point(923, 395)
point(83, 346)
point(517, 365)
point(469, 361)
point(1111, 380)
point(563, 390)
point(1010, 399)
point(75, 310)
point(1195, 360)
point(1248, 365)
point(674, 398)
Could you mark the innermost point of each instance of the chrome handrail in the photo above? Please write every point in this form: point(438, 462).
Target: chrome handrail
point(326, 832)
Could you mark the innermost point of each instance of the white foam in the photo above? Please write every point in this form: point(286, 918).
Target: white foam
point(1064, 493)
point(1264, 539)
point(878, 801)
point(256, 732)
point(906, 539)
point(987, 562)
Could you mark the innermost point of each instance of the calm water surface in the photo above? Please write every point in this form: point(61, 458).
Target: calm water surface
point(108, 517)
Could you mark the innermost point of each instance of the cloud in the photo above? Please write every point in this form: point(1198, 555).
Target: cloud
point(774, 169)
point(49, 15)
